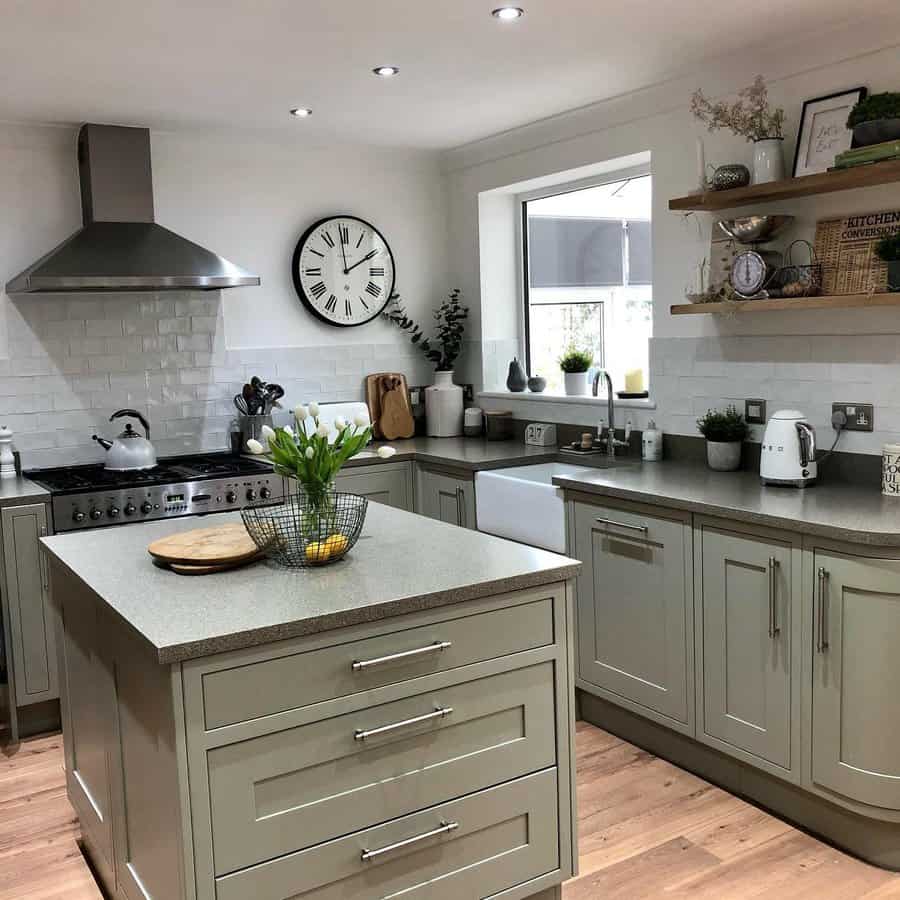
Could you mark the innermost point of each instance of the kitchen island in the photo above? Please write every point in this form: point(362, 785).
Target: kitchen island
point(400, 721)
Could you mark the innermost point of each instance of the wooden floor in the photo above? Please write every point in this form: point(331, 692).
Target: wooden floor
point(647, 829)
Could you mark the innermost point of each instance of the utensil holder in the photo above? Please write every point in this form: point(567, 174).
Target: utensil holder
point(251, 428)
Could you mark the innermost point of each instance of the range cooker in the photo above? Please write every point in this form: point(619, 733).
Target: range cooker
point(91, 496)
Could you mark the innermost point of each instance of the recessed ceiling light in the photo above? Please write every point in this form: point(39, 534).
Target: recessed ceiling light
point(386, 71)
point(508, 13)
point(301, 112)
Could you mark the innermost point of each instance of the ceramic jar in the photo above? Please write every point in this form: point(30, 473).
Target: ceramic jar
point(724, 456)
point(444, 407)
point(768, 160)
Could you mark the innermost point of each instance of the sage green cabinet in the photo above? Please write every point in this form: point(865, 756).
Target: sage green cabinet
point(445, 495)
point(745, 617)
point(635, 608)
point(27, 606)
point(855, 747)
point(388, 483)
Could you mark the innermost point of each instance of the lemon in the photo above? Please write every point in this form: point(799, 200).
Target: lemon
point(336, 544)
point(317, 551)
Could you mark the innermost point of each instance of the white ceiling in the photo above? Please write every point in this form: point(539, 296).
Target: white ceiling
point(464, 75)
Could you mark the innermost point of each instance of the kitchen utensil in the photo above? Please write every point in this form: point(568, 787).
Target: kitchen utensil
point(374, 392)
point(788, 450)
point(754, 229)
point(240, 404)
point(396, 415)
point(129, 450)
point(218, 546)
point(275, 393)
point(249, 395)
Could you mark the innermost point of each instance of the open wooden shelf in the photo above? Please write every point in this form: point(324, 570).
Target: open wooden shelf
point(806, 186)
point(848, 301)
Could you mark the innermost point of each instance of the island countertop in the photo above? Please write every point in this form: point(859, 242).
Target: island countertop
point(401, 564)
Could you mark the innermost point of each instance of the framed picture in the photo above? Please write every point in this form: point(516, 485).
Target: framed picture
point(824, 132)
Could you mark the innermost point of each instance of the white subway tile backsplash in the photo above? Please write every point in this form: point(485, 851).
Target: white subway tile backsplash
point(104, 328)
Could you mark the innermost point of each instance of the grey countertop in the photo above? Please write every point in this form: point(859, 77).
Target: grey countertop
point(402, 563)
point(471, 454)
point(840, 511)
point(21, 490)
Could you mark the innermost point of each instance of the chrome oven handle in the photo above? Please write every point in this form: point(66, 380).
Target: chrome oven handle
point(444, 828)
point(360, 665)
point(643, 529)
point(440, 712)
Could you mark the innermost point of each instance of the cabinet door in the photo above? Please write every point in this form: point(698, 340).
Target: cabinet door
point(388, 484)
point(856, 677)
point(31, 626)
point(745, 597)
point(448, 499)
point(634, 605)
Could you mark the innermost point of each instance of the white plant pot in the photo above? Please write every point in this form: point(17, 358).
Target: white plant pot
point(768, 160)
point(444, 407)
point(724, 456)
point(576, 384)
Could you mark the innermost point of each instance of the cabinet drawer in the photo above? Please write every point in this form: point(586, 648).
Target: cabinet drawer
point(285, 791)
point(503, 837)
point(299, 679)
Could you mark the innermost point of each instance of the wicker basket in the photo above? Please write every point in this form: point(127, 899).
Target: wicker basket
point(307, 530)
point(794, 280)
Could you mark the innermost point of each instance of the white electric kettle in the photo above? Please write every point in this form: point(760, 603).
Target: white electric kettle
point(788, 450)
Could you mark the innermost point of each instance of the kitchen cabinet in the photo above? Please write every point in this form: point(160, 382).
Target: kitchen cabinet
point(745, 643)
point(446, 495)
point(634, 607)
point(26, 608)
point(388, 483)
point(855, 739)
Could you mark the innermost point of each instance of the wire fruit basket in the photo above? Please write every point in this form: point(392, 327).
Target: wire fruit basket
point(307, 529)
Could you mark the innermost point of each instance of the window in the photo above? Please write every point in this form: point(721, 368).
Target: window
point(588, 277)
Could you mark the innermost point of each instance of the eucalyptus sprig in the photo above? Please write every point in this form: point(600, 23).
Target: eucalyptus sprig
point(444, 349)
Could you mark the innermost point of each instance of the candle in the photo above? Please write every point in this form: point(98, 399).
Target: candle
point(701, 165)
point(634, 381)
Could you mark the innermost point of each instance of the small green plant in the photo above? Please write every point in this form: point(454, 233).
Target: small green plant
point(574, 361)
point(874, 108)
point(888, 248)
point(723, 427)
point(444, 349)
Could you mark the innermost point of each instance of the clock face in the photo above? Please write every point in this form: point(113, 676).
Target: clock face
point(343, 271)
point(748, 273)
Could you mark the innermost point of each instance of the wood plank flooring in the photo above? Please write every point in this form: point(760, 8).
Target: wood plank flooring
point(647, 830)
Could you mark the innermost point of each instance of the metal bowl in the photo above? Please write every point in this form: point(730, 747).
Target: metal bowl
point(754, 229)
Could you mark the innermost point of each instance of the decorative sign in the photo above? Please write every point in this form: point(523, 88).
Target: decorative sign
point(846, 249)
point(890, 470)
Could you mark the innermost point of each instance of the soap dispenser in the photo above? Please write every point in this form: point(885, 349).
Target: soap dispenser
point(651, 443)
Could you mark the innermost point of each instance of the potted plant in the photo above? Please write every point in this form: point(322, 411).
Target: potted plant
point(876, 119)
point(724, 433)
point(749, 117)
point(444, 399)
point(888, 249)
point(575, 365)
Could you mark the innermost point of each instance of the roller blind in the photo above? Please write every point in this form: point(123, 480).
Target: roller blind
point(570, 252)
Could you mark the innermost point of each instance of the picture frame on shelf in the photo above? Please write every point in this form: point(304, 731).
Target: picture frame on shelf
point(823, 132)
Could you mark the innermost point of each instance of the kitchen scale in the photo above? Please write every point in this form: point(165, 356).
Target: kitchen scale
point(753, 269)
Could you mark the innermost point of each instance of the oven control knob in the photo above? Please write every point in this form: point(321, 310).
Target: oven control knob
point(231, 497)
point(265, 493)
point(113, 512)
point(78, 516)
point(130, 509)
point(146, 507)
point(96, 514)
point(251, 494)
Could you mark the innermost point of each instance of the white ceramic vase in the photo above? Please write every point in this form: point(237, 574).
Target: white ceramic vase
point(576, 384)
point(724, 456)
point(768, 160)
point(444, 407)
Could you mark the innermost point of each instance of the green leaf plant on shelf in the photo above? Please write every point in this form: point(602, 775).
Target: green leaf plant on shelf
point(445, 347)
point(888, 250)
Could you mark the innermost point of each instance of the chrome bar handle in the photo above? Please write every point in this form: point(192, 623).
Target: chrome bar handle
point(774, 630)
point(825, 576)
point(444, 828)
point(45, 571)
point(360, 665)
point(821, 633)
point(643, 529)
point(460, 508)
point(440, 712)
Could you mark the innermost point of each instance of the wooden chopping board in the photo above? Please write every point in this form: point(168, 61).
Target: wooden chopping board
point(219, 546)
point(183, 569)
point(387, 396)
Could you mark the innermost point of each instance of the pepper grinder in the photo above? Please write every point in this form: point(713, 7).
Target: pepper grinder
point(7, 459)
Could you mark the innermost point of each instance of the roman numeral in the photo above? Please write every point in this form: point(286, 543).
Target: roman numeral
point(347, 308)
point(366, 305)
point(314, 271)
point(317, 289)
point(322, 255)
point(344, 232)
point(328, 238)
point(376, 272)
point(362, 234)
point(373, 289)
point(331, 305)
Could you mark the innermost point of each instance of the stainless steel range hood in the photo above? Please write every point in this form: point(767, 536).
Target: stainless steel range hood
point(120, 247)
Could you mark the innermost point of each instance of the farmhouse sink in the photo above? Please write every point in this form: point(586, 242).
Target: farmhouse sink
point(521, 503)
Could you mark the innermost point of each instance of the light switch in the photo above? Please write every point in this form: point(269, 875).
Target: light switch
point(755, 412)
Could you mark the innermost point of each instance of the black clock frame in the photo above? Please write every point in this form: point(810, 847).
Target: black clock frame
point(298, 285)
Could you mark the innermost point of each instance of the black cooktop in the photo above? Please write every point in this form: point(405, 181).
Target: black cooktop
point(76, 479)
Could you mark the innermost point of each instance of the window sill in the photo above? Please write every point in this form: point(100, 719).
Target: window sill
point(528, 396)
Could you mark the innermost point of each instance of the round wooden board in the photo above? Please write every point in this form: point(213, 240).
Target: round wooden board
point(222, 545)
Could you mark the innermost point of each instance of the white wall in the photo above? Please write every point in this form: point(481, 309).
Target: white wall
point(806, 360)
point(68, 361)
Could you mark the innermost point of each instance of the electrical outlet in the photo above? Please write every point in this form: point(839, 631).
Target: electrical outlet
point(860, 416)
point(755, 412)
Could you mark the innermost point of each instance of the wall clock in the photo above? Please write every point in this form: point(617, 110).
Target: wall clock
point(343, 271)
